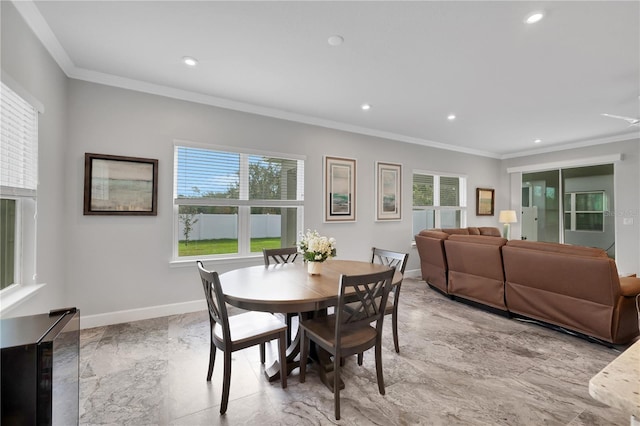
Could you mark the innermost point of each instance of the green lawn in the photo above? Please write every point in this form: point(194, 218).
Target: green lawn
point(223, 246)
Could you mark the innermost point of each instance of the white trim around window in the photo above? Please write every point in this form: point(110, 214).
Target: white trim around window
point(223, 214)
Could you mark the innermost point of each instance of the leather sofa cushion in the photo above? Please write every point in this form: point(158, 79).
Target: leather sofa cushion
point(558, 248)
point(573, 271)
point(456, 231)
point(479, 239)
point(471, 230)
point(490, 231)
point(434, 234)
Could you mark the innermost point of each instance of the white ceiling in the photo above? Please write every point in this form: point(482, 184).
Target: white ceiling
point(415, 62)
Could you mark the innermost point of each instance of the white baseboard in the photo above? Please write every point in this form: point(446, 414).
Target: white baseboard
point(117, 317)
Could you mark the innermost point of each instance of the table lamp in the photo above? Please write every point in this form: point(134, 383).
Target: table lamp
point(507, 217)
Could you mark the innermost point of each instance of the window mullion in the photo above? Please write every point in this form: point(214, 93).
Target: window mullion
point(244, 230)
point(244, 212)
point(573, 211)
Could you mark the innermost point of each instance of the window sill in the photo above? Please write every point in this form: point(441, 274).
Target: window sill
point(14, 296)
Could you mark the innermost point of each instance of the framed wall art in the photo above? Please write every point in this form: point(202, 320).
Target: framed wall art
point(339, 189)
point(484, 201)
point(115, 185)
point(388, 191)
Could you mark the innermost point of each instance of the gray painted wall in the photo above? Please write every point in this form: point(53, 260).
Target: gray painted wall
point(25, 61)
point(132, 253)
point(109, 264)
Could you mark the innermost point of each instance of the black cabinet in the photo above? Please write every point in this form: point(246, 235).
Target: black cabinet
point(39, 363)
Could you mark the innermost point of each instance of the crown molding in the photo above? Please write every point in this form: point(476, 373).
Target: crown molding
point(40, 27)
point(579, 144)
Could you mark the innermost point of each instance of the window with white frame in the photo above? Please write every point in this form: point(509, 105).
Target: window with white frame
point(18, 185)
point(584, 211)
point(230, 202)
point(439, 201)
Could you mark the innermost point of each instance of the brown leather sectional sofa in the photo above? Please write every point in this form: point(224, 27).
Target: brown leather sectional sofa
point(575, 288)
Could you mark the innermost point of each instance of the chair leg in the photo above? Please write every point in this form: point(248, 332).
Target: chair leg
point(262, 353)
point(282, 344)
point(212, 361)
point(288, 320)
point(379, 366)
point(360, 358)
point(394, 323)
point(304, 353)
point(336, 385)
point(226, 382)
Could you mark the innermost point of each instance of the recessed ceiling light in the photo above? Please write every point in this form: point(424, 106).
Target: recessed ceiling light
point(537, 141)
point(451, 117)
point(534, 17)
point(335, 40)
point(365, 107)
point(188, 60)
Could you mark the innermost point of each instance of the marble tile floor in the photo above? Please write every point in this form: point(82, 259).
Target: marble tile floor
point(457, 365)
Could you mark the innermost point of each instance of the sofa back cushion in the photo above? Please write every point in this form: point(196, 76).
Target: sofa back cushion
point(489, 231)
point(574, 287)
point(471, 230)
point(575, 271)
point(475, 269)
point(456, 231)
point(558, 248)
point(476, 254)
point(434, 234)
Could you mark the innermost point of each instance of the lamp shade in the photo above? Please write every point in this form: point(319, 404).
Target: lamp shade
point(507, 216)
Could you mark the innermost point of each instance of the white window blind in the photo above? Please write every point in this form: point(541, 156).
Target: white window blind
point(19, 147)
point(219, 177)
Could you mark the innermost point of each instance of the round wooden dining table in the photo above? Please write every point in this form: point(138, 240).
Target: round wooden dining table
point(288, 287)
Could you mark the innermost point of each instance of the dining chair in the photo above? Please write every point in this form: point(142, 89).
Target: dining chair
point(279, 256)
point(397, 260)
point(230, 334)
point(350, 331)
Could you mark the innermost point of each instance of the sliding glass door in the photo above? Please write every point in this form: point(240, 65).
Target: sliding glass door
point(541, 206)
point(571, 206)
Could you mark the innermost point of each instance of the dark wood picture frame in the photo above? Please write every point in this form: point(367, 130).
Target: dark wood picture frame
point(485, 201)
point(120, 186)
point(339, 189)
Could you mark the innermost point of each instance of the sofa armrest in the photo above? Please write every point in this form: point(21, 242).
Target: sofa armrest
point(629, 286)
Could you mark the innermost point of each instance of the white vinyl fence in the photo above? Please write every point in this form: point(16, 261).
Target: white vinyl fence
point(217, 226)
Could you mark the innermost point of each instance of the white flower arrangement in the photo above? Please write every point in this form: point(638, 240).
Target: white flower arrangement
point(316, 248)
